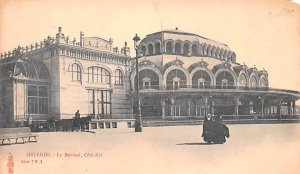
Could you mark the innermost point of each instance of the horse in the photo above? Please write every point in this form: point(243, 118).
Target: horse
point(84, 123)
point(65, 125)
point(51, 125)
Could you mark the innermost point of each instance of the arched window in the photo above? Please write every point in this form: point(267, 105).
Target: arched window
point(150, 49)
point(176, 79)
point(213, 51)
point(263, 82)
point(119, 77)
point(209, 50)
point(157, 48)
point(186, 49)
point(224, 80)
point(201, 75)
point(169, 48)
point(242, 80)
point(76, 72)
point(194, 50)
point(143, 50)
point(217, 53)
point(98, 75)
point(177, 48)
point(253, 82)
point(41, 71)
point(148, 79)
point(204, 48)
point(31, 70)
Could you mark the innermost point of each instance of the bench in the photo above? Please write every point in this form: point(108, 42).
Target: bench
point(17, 134)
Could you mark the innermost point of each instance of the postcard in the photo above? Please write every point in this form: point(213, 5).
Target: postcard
point(154, 86)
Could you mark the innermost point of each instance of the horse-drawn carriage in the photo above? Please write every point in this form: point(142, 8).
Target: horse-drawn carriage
point(65, 125)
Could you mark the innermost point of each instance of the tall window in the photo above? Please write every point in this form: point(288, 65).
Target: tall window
point(194, 50)
point(201, 83)
point(76, 72)
point(37, 99)
point(119, 77)
point(177, 48)
point(157, 48)
point(98, 75)
point(150, 49)
point(146, 83)
point(169, 47)
point(143, 50)
point(224, 83)
point(186, 49)
point(99, 101)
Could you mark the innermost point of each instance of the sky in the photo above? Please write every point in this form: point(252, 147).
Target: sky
point(262, 33)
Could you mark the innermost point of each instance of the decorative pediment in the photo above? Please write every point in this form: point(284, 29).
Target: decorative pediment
point(238, 69)
point(176, 62)
point(263, 72)
point(146, 63)
point(252, 71)
point(201, 64)
point(223, 65)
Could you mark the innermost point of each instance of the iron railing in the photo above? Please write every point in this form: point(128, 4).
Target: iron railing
point(210, 87)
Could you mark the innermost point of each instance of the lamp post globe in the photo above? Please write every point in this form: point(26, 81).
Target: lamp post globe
point(138, 121)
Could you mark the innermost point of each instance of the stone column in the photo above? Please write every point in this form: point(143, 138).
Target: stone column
point(189, 107)
point(140, 109)
point(289, 103)
point(172, 106)
point(294, 107)
point(237, 100)
point(163, 105)
point(278, 110)
point(262, 106)
point(205, 109)
point(213, 107)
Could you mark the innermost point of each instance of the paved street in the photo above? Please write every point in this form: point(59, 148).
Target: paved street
point(259, 149)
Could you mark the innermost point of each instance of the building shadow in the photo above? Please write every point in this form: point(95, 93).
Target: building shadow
point(192, 144)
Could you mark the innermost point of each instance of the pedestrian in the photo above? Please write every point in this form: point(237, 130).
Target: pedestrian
point(77, 120)
point(77, 114)
point(207, 126)
point(222, 130)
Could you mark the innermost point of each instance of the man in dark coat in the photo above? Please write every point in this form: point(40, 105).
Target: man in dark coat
point(207, 129)
point(77, 120)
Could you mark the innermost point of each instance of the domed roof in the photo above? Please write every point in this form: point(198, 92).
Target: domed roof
point(178, 35)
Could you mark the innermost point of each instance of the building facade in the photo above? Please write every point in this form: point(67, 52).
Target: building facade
point(181, 75)
point(186, 75)
point(58, 76)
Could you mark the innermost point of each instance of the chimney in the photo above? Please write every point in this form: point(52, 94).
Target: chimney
point(60, 38)
point(81, 39)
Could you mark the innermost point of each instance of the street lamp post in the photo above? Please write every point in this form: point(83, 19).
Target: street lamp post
point(138, 121)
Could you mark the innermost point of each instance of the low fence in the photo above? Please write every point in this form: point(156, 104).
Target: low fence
point(232, 117)
point(113, 120)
